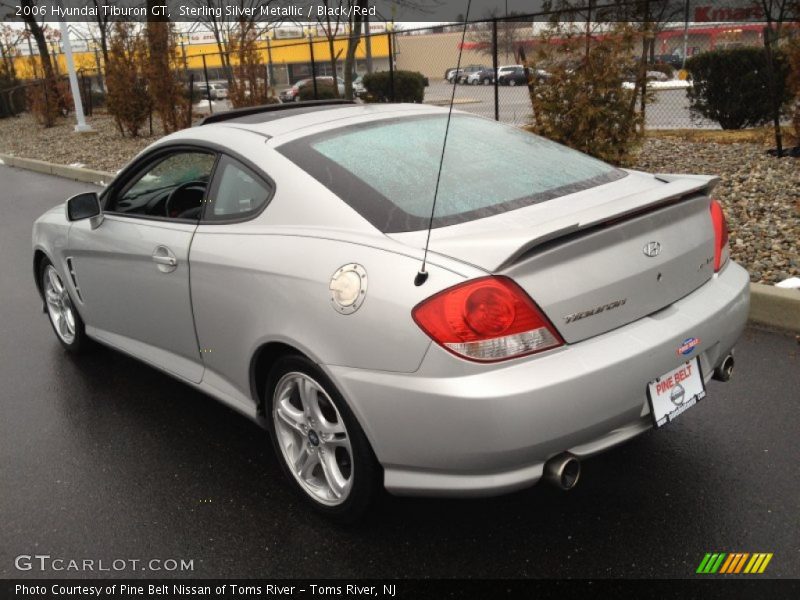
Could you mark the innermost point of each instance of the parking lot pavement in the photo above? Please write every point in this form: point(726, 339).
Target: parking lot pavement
point(103, 457)
point(668, 109)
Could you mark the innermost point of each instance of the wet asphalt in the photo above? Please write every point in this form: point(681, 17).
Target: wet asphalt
point(103, 457)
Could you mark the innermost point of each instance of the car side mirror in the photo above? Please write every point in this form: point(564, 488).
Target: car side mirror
point(84, 206)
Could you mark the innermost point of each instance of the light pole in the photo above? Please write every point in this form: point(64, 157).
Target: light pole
point(270, 70)
point(685, 34)
point(82, 126)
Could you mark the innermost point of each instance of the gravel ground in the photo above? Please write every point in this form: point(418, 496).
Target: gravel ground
point(104, 149)
point(760, 194)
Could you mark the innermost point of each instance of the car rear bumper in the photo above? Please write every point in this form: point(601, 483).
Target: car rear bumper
point(460, 428)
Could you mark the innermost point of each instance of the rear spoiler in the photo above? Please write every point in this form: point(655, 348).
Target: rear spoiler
point(493, 257)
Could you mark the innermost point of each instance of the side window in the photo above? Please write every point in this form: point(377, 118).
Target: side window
point(172, 187)
point(236, 193)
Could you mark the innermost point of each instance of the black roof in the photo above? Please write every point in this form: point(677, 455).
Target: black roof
point(271, 112)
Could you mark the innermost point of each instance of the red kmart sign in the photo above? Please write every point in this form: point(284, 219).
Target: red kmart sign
point(712, 12)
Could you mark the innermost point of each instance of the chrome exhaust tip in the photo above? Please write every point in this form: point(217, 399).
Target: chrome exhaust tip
point(724, 371)
point(563, 471)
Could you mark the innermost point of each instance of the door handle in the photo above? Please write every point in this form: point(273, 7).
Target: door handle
point(165, 259)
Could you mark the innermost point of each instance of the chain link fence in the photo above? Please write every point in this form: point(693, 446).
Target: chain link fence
point(490, 82)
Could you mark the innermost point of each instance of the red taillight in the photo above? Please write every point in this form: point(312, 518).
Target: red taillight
point(486, 319)
point(721, 251)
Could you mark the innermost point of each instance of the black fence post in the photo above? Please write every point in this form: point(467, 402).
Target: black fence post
point(313, 66)
point(270, 71)
point(208, 88)
point(494, 72)
point(82, 92)
point(47, 118)
point(191, 97)
point(391, 66)
point(87, 88)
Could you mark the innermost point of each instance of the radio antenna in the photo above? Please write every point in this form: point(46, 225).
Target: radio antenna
point(422, 274)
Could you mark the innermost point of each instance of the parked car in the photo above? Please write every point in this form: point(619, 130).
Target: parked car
point(460, 75)
point(448, 74)
point(292, 94)
point(484, 76)
point(359, 91)
point(213, 91)
point(567, 305)
point(674, 60)
point(513, 75)
point(657, 76)
point(464, 73)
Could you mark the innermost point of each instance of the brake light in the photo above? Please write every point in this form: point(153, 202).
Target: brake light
point(721, 251)
point(487, 319)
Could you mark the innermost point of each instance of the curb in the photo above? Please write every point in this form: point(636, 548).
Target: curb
point(769, 305)
point(775, 307)
point(65, 171)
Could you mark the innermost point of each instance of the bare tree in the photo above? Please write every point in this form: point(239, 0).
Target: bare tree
point(651, 16)
point(213, 21)
point(776, 13)
point(9, 38)
point(247, 24)
point(356, 24)
point(37, 31)
point(100, 29)
point(163, 86)
point(332, 28)
point(511, 33)
point(356, 32)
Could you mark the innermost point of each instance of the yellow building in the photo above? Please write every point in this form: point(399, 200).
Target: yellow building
point(291, 58)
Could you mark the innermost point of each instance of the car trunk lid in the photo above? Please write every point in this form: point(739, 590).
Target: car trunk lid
point(597, 263)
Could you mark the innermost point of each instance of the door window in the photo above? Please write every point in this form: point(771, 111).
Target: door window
point(173, 187)
point(237, 192)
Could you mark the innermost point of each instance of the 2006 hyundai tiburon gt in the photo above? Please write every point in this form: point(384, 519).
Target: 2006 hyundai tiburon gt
point(269, 257)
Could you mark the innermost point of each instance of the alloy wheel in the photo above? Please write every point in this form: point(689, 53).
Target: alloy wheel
point(59, 305)
point(313, 438)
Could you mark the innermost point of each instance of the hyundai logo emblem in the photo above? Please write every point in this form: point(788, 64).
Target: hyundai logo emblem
point(652, 249)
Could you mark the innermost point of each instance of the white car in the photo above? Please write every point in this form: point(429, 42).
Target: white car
point(214, 91)
point(272, 257)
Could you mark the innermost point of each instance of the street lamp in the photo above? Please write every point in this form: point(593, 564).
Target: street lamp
point(82, 126)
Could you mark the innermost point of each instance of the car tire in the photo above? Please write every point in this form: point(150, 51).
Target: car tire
point(512, 82)
point(487, 81)
point(61, 312)
point(310, 421)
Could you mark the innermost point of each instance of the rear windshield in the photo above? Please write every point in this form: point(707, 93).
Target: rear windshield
point(386, 170)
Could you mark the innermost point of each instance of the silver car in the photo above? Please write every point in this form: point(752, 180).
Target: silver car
point(273, 259)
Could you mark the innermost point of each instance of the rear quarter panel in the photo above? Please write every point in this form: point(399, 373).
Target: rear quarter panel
point(251, 289)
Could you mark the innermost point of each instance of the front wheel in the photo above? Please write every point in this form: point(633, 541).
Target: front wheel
point(67, 323)
point(319, 443)
point(512, 83)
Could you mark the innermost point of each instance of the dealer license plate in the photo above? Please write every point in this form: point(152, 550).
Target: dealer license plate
point(675, 391)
